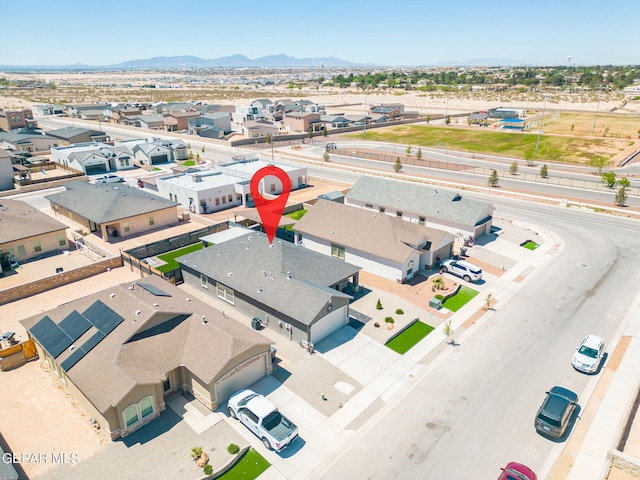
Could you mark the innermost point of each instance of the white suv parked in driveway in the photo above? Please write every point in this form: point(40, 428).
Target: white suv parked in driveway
point(109, 179)
point(468, 271)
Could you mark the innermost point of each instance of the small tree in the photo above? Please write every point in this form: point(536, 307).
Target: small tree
point(621, 196)
point(493, 179)
point(529, 155)
point(398, 165)
point(624, 182)
point(310, 133)
point(197, 158)
point(447, 120)
point(572, 127)
point(325, 156)
point(609, 178)
point(513, 168)
point(325, 132)
point(606, 131)
point(598, 163)
point(408, 150)
point(487, 300)
point(203, 149)
point(448, 332)
point(196, 452)
point(428, 119)
point(379, 305)
point(419, 154)
point(544, 171)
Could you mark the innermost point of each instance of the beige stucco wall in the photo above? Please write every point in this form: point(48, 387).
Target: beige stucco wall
point(48, 242)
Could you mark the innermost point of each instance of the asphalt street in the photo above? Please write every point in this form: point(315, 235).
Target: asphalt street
point(474, 412)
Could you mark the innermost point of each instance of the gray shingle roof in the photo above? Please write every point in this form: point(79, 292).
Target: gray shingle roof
point(70, 132)
point(20, 220)
point(104, 203)
point(161, 338)
point(260, 272)
point(372, 232)
point(421, 200)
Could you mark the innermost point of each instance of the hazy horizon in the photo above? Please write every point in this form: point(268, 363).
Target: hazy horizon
point(413, 33)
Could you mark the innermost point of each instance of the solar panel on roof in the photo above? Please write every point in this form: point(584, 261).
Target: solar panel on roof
point(74, 325)
point(52, 338)
point(85, 348)
point(158, 292)
point(102, 317)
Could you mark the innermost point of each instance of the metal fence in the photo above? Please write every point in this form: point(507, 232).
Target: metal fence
point(595, 184)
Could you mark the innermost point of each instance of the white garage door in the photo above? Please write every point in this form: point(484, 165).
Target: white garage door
point(328, 324)
point(251, 372)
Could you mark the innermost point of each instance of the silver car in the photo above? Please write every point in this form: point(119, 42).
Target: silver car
point(588, 354)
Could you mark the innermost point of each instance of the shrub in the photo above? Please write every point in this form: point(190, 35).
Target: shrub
point(196, 452)
point(399, 311)
point(233, 449)
point(379, 305)
point(208, 469)
point(389, 320)
point(440, 297)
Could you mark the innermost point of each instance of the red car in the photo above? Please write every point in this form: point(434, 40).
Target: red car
point(517, 471)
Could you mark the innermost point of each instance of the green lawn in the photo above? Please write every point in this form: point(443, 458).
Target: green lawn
point(555, 148)
point(249, 467)
point(297, 215)
point(460, 299)
point(531, 245)
point(170, 257)
point(189, 163)
point(409, 337)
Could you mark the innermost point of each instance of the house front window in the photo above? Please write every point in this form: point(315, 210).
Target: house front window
point(225, 293)
point(131, 415)
point(337, 251)
point(126, 227)
point(124, 162)
point(62, 240)
point(146, 406)
point(399, 214)
point(21, 251)
point(152, 221)
point(37, 247)
point(204, 282)
point(410, 267)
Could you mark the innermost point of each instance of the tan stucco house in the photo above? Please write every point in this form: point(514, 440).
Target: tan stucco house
point(114, 209)
point(121, 351)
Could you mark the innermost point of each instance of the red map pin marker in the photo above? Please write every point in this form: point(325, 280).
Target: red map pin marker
point(270, 211)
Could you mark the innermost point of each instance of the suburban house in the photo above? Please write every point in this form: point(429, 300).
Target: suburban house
point(93, 158)
point(176, 121)
point(218, 120)
point(478, 118)
point(73, 135)
point(26, 232)
point(153, 121)
point(245, 169)
point(113, 210)
point(25, 139)
point(246, 112)
point(48, 109)
point(93, 110)
point(259, 128)
point(204, 191)
point(169, 107)
point(120, 352)
point(294, 291)
point(391, 109)
point(6, 170)
point(120, 113)
point(335, 121)
point(380, 244)
point(302, 122)
point(12, 119)
point(150, 151)
point(422, 204)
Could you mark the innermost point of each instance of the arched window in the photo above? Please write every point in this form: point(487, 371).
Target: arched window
point(146, 406)
point(131, 415)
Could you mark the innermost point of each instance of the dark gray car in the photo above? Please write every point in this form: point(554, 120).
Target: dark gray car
point(555, 412)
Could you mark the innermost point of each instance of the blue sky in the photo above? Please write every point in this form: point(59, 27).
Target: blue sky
point(401, 32)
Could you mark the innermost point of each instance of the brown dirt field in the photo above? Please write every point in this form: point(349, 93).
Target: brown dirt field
point(622, 126)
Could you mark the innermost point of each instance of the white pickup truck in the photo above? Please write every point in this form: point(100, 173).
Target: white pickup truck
point(263, 418)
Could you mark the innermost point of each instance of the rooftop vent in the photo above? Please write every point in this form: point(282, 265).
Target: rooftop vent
point(112, 295)
point(138, 312)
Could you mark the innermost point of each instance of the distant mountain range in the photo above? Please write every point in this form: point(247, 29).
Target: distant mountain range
point(189, 61)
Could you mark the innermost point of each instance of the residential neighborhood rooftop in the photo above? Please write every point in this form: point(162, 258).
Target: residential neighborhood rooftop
point(20, 220)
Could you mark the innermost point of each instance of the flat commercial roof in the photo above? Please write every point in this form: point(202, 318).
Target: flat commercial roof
point(210, 179)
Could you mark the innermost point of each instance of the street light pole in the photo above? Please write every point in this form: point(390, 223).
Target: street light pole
point(593, 129)
point(364, 128)
point(544, 108)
